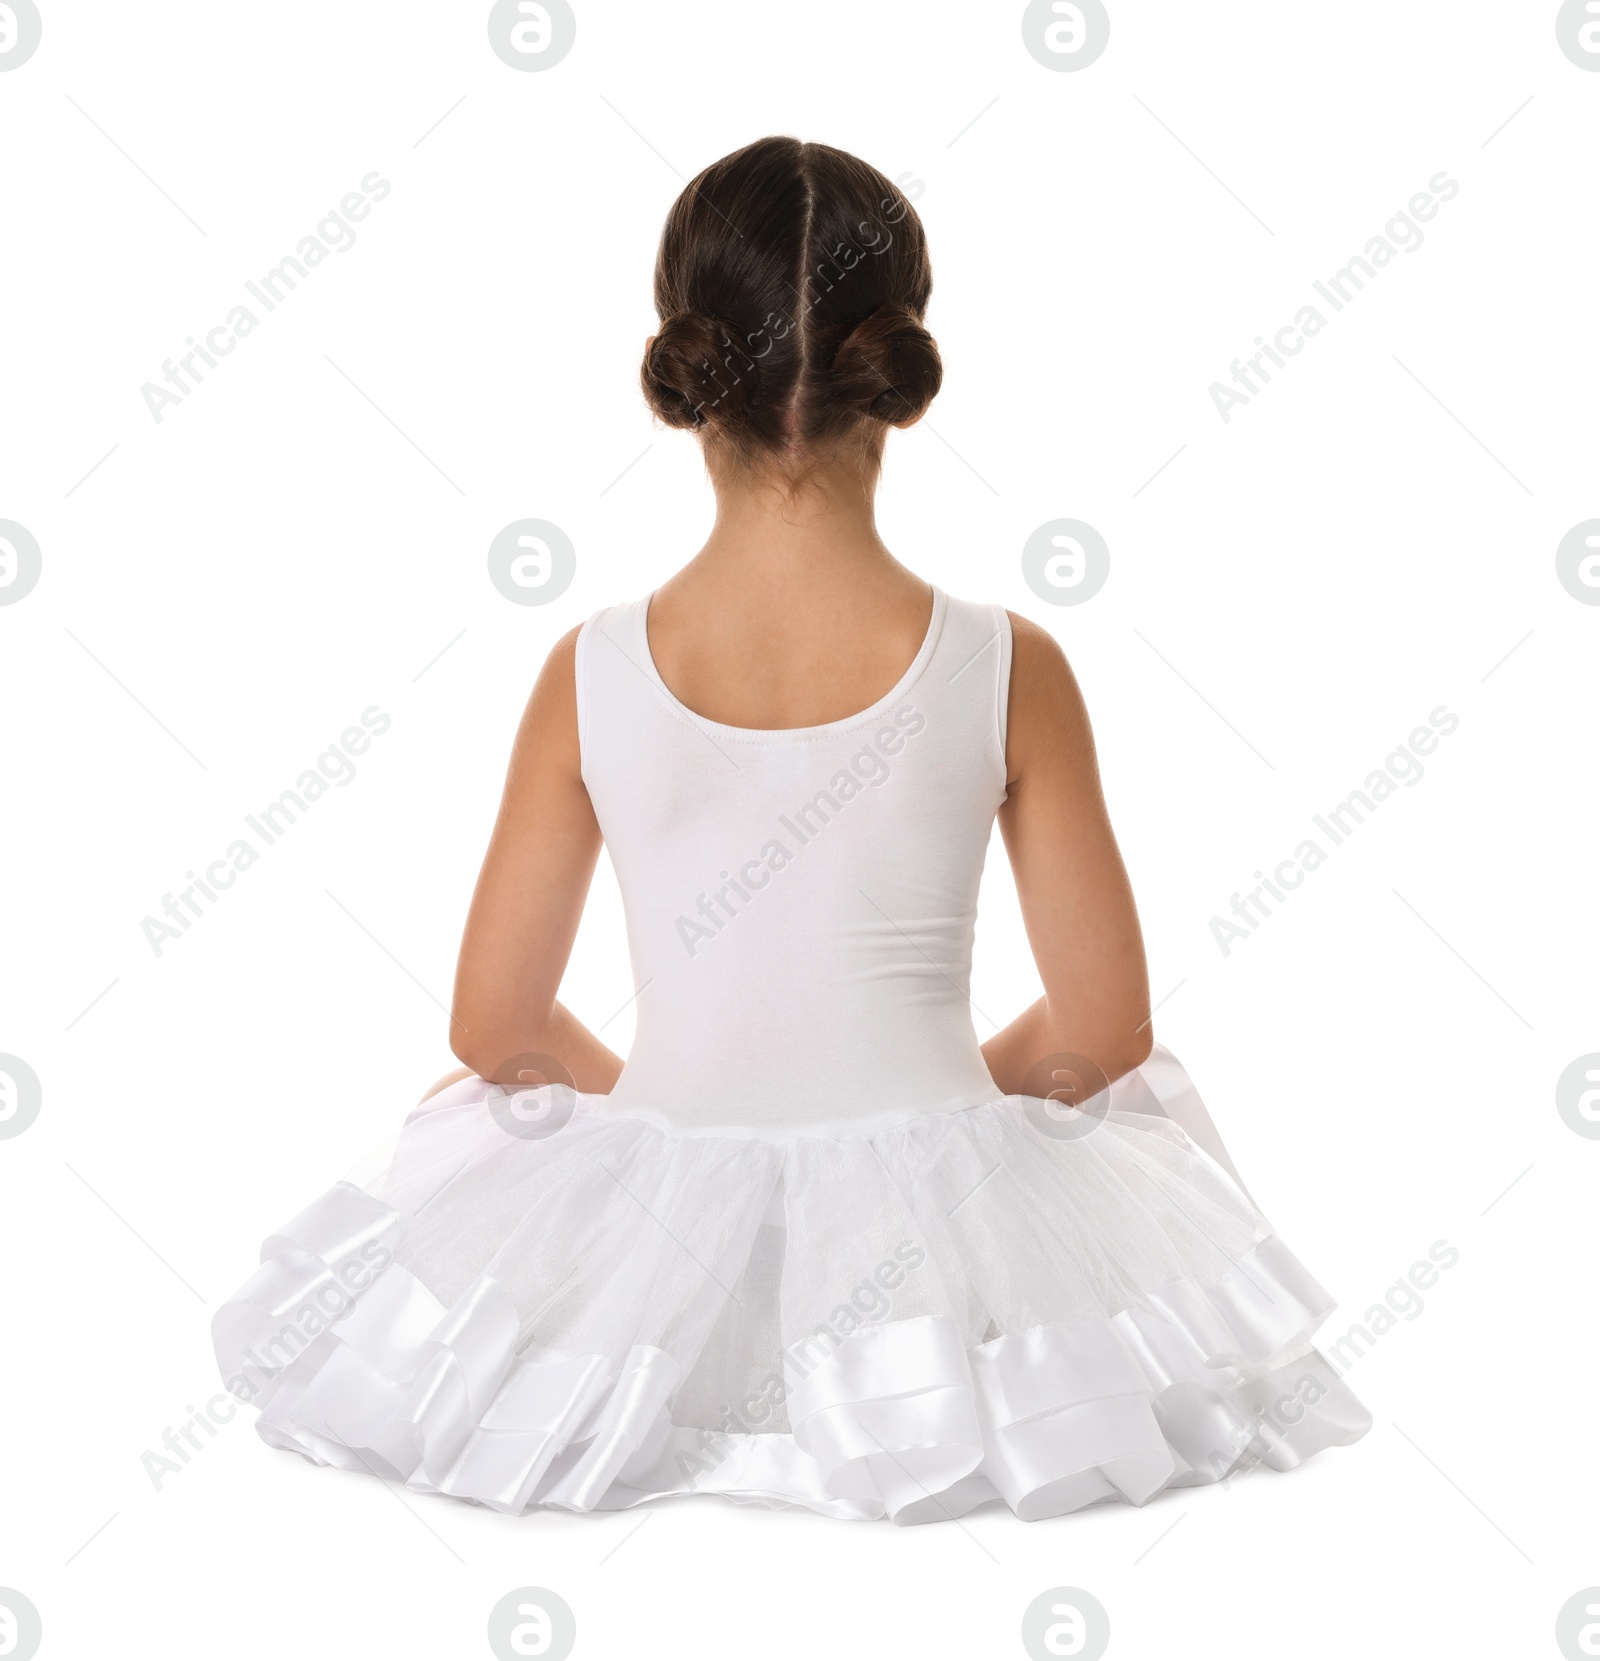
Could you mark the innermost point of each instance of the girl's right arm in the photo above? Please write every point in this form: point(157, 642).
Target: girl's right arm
point(1077, 903)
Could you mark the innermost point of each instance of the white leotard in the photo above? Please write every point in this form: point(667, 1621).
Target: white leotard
point(800, 903)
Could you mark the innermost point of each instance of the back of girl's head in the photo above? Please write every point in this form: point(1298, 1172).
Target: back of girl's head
point(791, 283)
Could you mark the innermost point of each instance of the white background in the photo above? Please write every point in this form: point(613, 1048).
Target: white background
point(228, 589)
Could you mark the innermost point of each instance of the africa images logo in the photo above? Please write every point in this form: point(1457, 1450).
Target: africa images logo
point(20, 31)
point(20, 562)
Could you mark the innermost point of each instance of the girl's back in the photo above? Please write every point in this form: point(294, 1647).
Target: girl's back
point(786, 883)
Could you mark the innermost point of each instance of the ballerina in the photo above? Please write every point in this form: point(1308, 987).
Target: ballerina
point(810, 1244)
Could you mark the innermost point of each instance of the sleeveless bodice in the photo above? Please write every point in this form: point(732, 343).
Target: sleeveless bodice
point(800, 903)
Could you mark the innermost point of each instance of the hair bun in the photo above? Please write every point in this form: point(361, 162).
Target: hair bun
point(765, 353)
point(887, 367)
point(695, 371)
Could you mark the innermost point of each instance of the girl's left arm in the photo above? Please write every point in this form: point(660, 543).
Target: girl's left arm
point(530, 895)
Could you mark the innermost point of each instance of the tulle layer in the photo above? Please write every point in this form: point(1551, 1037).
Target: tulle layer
point(571, 1308)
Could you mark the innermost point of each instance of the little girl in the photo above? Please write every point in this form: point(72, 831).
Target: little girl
point(810, 1244)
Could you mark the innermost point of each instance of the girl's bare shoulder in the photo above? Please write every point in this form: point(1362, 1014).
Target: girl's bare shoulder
point(1046, 717)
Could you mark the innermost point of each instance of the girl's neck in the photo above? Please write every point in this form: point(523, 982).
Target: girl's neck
point(785, 536)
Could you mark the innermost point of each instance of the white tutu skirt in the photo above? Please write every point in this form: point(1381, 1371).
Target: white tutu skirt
point(580, 1309)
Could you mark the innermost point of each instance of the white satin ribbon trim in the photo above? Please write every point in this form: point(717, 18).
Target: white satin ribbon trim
point(889, 1416)
point(1265, 1306)
point(375, 1373)
point(1163, 1076)
point(901, 1420)
point(1067, 1418)
point(620, 1426)
point(337, 1227)
point(310, 1272)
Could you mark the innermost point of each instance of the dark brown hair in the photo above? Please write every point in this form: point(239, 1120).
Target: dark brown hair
point(791, 282)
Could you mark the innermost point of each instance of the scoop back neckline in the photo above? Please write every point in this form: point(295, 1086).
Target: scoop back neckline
point(779, 735)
